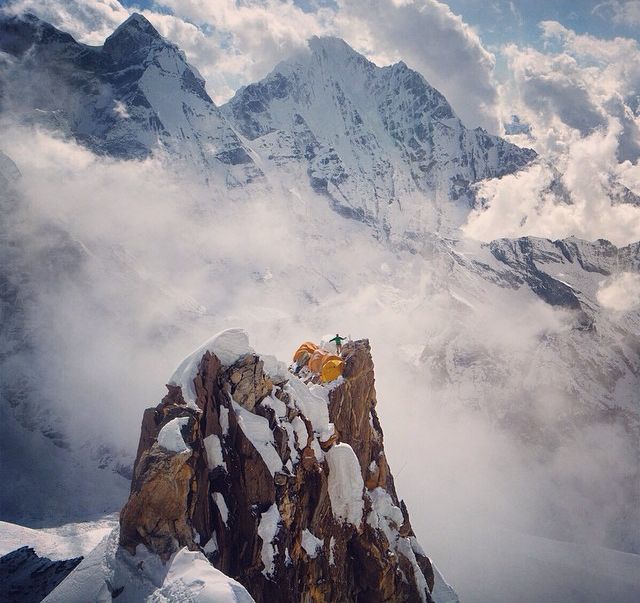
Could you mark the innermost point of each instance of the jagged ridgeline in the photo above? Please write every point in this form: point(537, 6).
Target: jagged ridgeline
point(379, 144)
point(283, 485)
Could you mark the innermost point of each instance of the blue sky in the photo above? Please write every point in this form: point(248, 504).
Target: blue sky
point(500, 22)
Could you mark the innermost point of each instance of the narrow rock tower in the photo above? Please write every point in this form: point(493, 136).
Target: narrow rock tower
point(283, 484)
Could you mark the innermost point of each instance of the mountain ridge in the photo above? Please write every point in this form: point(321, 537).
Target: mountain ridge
point(396, 158)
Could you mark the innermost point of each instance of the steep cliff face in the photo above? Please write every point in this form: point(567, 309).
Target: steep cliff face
point(282, 484)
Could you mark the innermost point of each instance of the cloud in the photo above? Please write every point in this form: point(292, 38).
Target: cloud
point(424, 33)
point(250, 38)
point(568, 198)
point(620, 292)
point(578, 97)
point(88, 21)
point(554, 87)
point(620, 12)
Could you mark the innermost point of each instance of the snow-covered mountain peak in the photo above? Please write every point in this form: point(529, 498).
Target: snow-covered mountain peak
point(130, 98)
point(136, 26)
point(132, 40)
point(335, 51)
point(381, 143)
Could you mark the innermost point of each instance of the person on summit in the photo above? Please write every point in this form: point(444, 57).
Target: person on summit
point(338, 341)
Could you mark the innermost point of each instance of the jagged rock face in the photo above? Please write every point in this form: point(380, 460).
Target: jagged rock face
point(29, 578)
point(293, 511)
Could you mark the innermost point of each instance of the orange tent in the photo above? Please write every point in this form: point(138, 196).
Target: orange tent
point(317, 360)
point(308, 347)
point(327, 365)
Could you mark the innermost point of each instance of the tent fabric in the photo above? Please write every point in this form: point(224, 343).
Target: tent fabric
point(317, 360)
point(308, 346)
point(327, 365)
point(331, 369)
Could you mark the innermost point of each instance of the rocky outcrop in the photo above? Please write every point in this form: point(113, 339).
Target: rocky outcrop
point(282, 483)
point(29, 578)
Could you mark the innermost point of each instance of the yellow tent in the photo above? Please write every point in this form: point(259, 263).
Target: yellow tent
point(331, 369)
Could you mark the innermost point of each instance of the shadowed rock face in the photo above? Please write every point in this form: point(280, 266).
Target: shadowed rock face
point(29, 578)
point(274, 519)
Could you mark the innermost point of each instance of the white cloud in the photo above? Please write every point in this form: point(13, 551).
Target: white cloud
point(620, 12)
point(578, 97)
point(621, 292)
point(554, 87)
point(88, 21)
point(250, 37)
point(531, 202)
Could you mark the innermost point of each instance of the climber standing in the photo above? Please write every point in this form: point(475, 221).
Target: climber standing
point(338, 341)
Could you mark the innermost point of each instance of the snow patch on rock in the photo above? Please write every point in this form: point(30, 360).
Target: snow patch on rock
point(311, 544)
point(387, 517)
point(213, 449)
point(170, 436)
point(228, 346)
point(258, 432)
point(267, 530)
point(311, 405)
point(345, 484)
point(224, 420)
point(218, 498)
point(211, 545)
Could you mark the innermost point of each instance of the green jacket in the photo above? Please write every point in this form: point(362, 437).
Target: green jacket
point(338, 339)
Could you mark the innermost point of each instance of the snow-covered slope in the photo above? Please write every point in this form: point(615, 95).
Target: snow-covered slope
point(381, 143)
point(109, 572)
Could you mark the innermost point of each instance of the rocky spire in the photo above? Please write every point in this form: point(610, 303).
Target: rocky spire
point(283, 485)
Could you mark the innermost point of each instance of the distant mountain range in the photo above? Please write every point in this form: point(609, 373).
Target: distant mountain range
point(381, 144)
